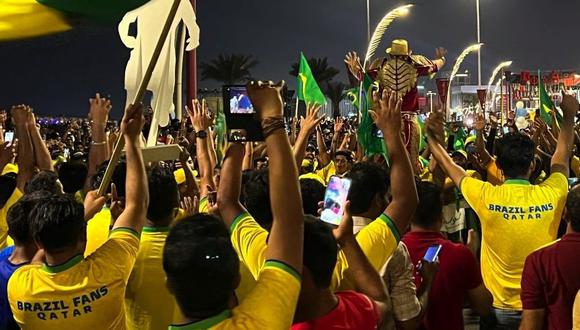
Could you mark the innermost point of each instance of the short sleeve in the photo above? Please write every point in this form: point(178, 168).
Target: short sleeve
point(378, 241)
point(472, 189)
point(250, 242)
point(398, 276)
point(558, 182)
point(272, 302)
point(532, 294)
point(119, 252)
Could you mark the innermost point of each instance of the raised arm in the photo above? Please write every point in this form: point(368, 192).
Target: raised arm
point(435, 138)
point(387, 117)
point(200, 122)
point(136, 189)
point(484, 156)
point(228, 195)
point(192, 188)
point(25, 153)
point(561, 158)
point(287, 234)
point(248, 162)
point(307, 125)
point(98, 116)
point(323, 153)
point(41, 153)
point(439, 60)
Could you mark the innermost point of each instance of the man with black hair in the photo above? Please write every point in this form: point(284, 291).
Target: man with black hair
point(342, 161)
point(312, 192)
point(201, 264)
point(44, 181)
point(72, 176)
point(149, 303)
point(18, 255)
point(458, 275)
point(69, 291)
point(551, 276)
point(516, 217)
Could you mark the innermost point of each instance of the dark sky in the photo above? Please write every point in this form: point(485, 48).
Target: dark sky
point(57, 74)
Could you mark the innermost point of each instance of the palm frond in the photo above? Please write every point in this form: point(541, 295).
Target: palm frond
point(457, 66)
point(382, 28)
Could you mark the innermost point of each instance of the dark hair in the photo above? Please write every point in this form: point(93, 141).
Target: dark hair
point(368, 180)
point(430, 207)
point(515, 153)
point(7, 186)
point(163, 194)
point(201, 265)
point(58, 222)
point(312, 192)
point(18, 217)
point(72, 175)
point(347, 154)
point(44, 181)
point(320, 251)
point(257, 197)
point(573, 208)
point(118, 178)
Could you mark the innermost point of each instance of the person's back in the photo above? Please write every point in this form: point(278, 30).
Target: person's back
point(551, 275)
point(516, 218)
point(458, 275)
point(148, 302)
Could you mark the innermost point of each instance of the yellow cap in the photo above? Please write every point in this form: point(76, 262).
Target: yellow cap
point(10, 168)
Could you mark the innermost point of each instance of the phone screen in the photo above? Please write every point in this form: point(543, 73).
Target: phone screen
point(432, 253)
point(66, 153)
point(240, 101)
point(9, 137)
point(334, 199)
point(572, 182)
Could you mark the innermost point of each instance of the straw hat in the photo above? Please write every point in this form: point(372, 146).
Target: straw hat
point(399, 47)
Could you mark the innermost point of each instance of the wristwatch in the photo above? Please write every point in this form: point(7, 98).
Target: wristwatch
point(201, 134)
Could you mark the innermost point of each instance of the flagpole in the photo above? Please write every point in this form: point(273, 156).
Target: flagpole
point(116, 155)
point(179, 81)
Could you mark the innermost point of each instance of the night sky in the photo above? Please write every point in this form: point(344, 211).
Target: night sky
point(57, 74)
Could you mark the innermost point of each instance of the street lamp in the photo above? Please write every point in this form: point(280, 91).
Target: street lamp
point(368, 21)
point(430, 94)
point(478, 41)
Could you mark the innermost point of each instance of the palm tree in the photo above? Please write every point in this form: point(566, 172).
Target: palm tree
point(335, 92)
point(321, 70)
point(229, 69)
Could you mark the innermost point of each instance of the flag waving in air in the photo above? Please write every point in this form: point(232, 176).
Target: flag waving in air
point(546, 104)
point(307, 88)
point(20, 19)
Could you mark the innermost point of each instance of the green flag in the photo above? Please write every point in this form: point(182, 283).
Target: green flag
point(459, 141)
point(546, 104)
point(307, 89)
point(371, 143)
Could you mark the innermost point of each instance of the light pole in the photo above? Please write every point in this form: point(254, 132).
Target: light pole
point(478, 41)
point(369, 21)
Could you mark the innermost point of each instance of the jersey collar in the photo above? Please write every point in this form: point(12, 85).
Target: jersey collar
point(204, 324)
point(517, 181)
point(64, 266)
point(155, 229)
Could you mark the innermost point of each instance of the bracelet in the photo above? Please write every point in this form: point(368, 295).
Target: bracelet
point(98, 143)
point(272, 124)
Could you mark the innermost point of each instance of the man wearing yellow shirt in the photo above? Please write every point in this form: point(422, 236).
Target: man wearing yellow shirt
point(516, 217)
point(148, 303)
point(72, 292)
point(202, 267)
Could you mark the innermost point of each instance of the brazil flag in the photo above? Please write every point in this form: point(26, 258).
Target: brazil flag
point(20, 19)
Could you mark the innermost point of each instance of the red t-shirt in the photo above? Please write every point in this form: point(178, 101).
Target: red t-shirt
point(551, 279)
point(353, 311)
point(458, 273)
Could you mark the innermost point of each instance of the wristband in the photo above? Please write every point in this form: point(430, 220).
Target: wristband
point(272, 124)
point(98, 143)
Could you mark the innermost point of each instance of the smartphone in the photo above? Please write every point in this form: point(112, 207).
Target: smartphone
point(432, 253)
point(572, 182)
point(9, 137)
point(66, 153)
point(334, 199)
point(241, 119)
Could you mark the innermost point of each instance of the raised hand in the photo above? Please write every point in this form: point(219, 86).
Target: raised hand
point(3, 117)
point(99, 109)
point(198, 116)
point(20, 114)
point(312, 120)
point(338, 124)
point(117, 204)
point(387, 116)
point(569, 106)
point(440, 52)
point(266, 98)
point(344, 231)
point(434, 126)
point(353, 62)
point(93, 204)
point(190, 205)
point(132, 122)
point(480, 123)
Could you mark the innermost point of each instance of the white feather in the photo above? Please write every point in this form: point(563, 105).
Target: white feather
point(456, 68)
point(382, 28)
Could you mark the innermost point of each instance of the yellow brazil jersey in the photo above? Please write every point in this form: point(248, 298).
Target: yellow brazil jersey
point(378, 241)
point(576, 312)
point(16, 195)
point(82, 293)
point(516, 218)
point(270, 305)
point(327, 171)
point(148, 303)
point(98, 230)
point(494, 174)
point(203, 205)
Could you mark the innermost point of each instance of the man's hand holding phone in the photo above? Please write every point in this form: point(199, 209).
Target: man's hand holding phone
point(266, 98)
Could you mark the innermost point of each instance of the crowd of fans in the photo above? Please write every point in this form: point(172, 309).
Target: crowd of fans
point(228, 235)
